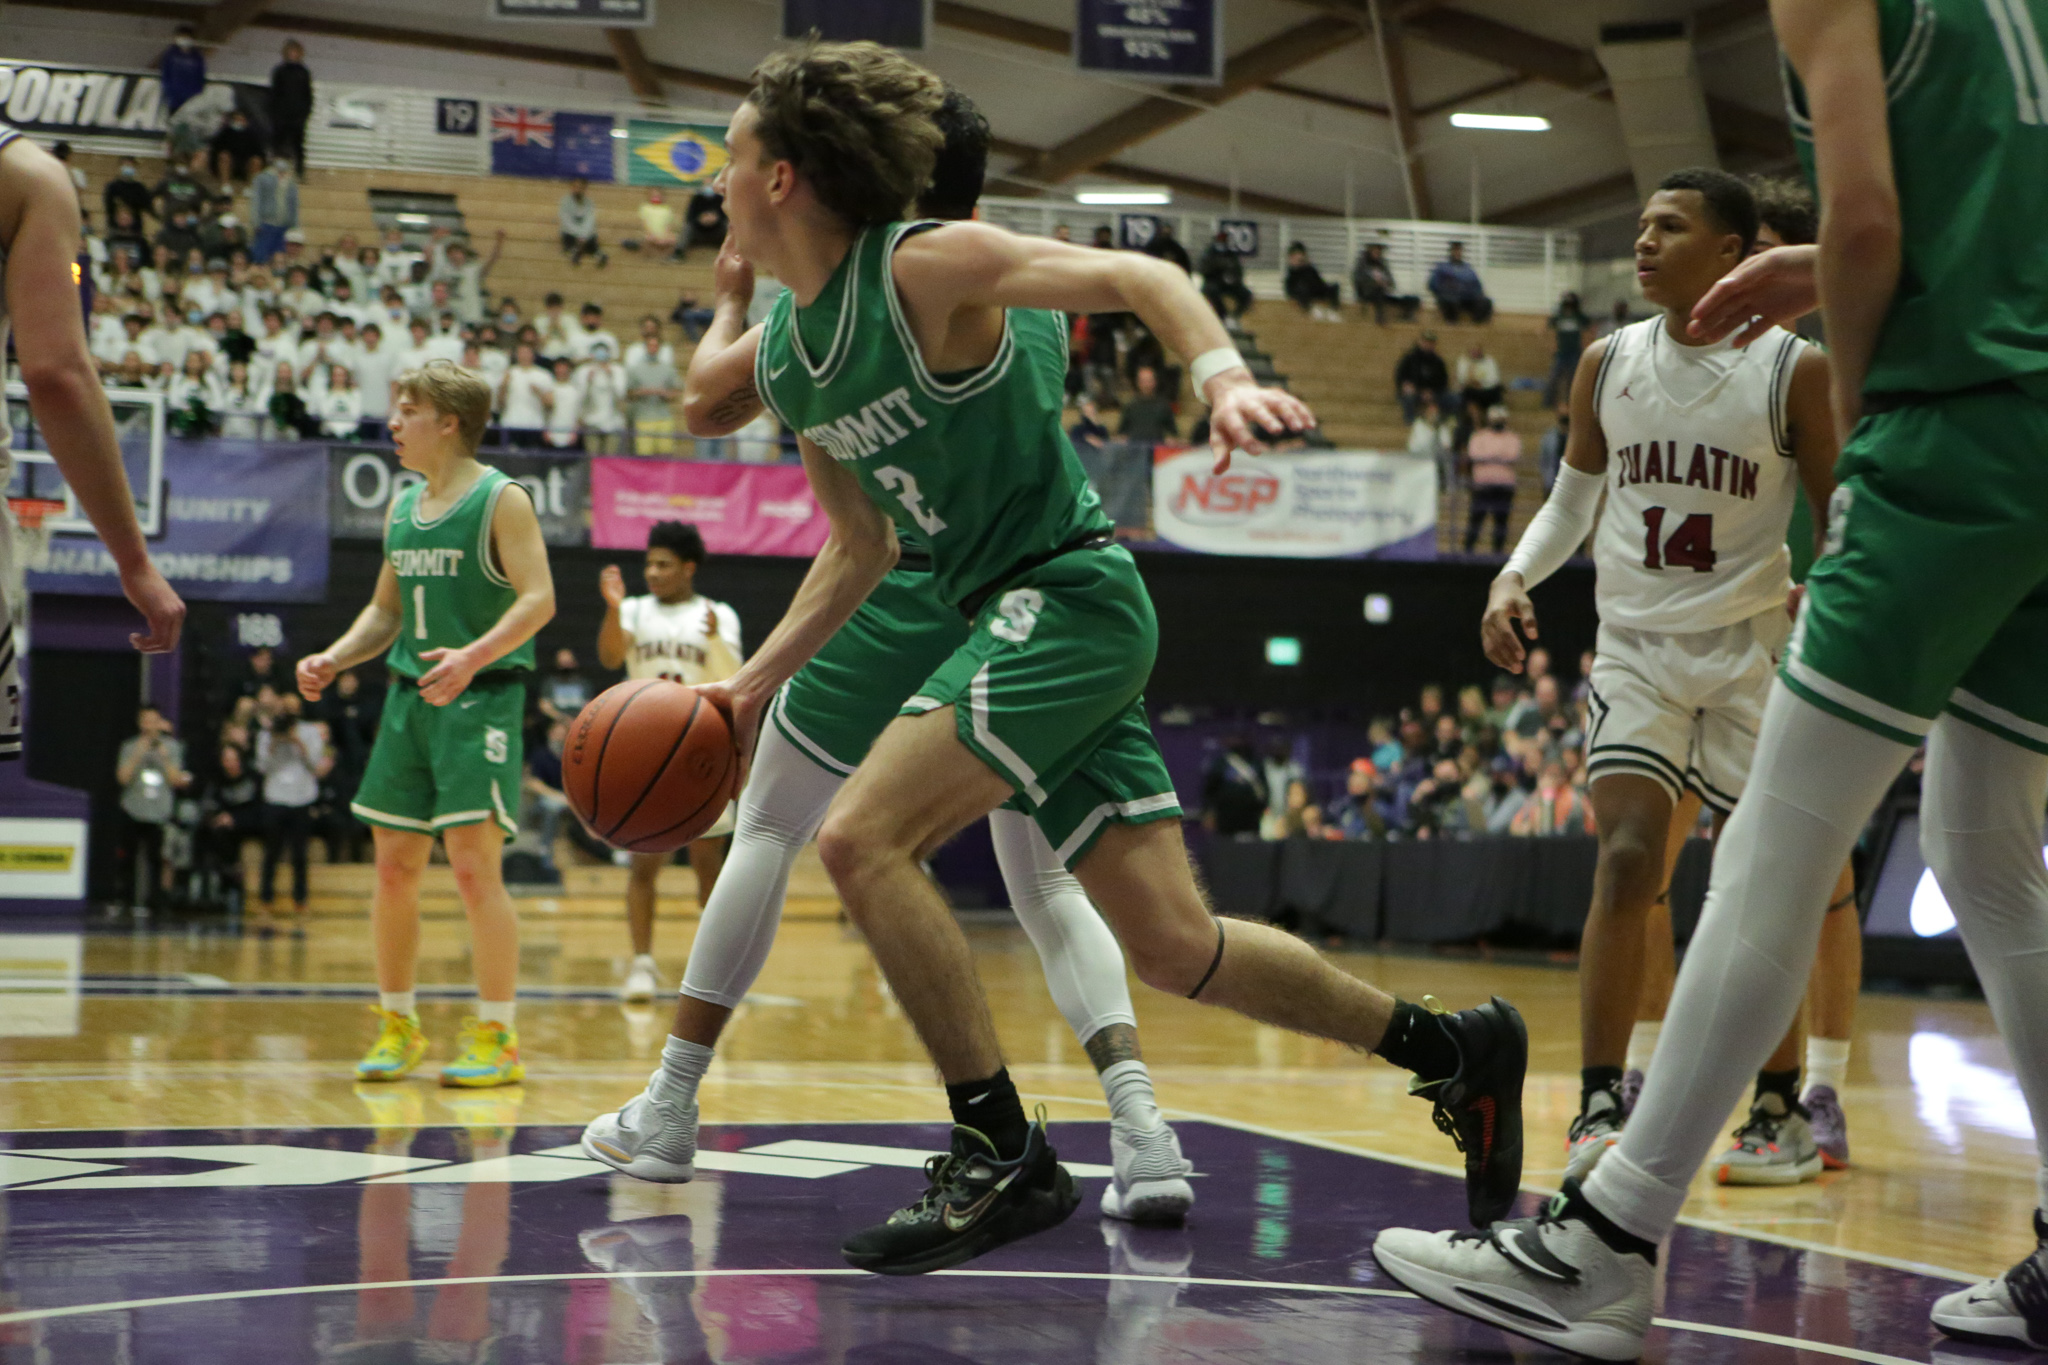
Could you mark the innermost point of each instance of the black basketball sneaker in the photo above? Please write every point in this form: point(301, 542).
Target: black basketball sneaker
point(1480, 1105)
point(974, 1203)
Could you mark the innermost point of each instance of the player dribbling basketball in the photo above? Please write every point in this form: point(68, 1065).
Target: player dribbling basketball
point(671, 631)
point(463, 589)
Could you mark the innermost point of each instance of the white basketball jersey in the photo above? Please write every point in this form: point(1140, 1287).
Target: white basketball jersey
point(693, 641)
point(1700, 479)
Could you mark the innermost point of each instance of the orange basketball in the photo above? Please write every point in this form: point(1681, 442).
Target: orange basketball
point(649, 765)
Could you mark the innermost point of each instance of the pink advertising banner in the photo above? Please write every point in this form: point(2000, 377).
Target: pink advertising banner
point(742, 509)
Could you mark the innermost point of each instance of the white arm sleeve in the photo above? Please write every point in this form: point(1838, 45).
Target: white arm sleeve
point(1562, 525)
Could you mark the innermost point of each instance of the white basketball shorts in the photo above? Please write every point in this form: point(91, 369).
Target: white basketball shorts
point(1683, 708)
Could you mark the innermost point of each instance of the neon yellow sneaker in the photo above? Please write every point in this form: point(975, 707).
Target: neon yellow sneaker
point(395, 1110)
point(491, 1116)
point(398, 1048)
point(490, 1056)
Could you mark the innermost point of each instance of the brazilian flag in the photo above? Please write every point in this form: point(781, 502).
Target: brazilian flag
point(666, 154)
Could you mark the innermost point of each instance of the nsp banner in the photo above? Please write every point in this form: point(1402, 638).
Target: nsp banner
point(365, 479)
point(1324, 504)
point(244, 521)
point(1160, 40)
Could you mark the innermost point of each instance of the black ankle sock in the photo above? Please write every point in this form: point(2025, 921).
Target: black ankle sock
point(1618, 1238)
point(1416, 1040)
point(991, 1108)
point(1596, 1078)
point(1784, 1084)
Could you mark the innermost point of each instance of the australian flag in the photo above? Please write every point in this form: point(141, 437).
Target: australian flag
point(522, 141)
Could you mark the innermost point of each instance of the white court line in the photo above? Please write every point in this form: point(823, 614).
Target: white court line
point(1271, 1286)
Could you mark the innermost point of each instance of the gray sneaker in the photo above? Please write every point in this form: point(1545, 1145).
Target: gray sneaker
point(1774, 1146)
point(1631, 1091)
point(653, 1136)
point(1151, 1180)
point(1592, 1133)
point(1830, 1126)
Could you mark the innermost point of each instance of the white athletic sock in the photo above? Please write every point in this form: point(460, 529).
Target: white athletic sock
point(497, 1011)
point(398, 1002)
point(1084, 964)
point(644, 960)
point(1129, 1088)
point(1642, 1044)
point(1815, 781)
point(682, 1066)
point(1980, 830)
point(786, 797)
point(1827, 1063)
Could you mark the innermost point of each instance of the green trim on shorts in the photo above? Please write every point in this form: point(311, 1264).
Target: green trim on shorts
point(1998, 721)
point(1842, 711)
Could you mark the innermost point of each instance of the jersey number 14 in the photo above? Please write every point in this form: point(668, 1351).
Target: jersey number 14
point(1691, 546)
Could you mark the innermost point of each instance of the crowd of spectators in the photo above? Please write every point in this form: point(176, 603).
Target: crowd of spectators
point(1505, 760)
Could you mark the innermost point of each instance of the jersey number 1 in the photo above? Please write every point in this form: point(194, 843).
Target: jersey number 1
point(419, 611)
point(1691, 546)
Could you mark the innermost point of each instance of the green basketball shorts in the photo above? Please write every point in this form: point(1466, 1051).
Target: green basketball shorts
point(1932, 592)
point(838, 703)
point(1047, 690)
point(436, 767)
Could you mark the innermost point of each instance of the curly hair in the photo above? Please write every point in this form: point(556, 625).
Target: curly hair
point(856, 120)
point(1785, 205)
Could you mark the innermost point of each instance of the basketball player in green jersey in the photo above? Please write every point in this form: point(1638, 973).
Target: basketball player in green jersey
point(463, 589)
point(822, 725)
point(1925, 619)
point(923, 409)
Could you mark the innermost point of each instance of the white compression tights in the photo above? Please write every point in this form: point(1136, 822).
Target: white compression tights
point(1814, 783)
point(781, 809)
point(1980, 830)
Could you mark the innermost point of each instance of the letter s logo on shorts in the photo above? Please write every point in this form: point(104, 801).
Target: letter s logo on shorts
point(1017, 614)
point(1839, 503)
point(497, 744)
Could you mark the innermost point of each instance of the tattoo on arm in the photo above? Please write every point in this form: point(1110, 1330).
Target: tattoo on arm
point(1111, 1044)
point(741, 402)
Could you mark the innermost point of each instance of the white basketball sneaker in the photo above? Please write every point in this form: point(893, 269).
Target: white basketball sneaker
point(652, 1137)
point(2011, 1308)
point(1151, 1180)
point(641, 981)
point(1549, 1278)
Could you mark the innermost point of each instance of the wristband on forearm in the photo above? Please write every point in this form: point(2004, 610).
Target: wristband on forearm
point(1209, 364)
point(1559, 528)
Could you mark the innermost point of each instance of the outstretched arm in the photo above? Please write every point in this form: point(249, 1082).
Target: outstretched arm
point(946, 273)
point(718, 392)
point(859, 551)
point(39, 230)
point(374, 631)
point(1833, 45)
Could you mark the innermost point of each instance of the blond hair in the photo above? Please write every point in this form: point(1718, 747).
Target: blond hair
point(452, 391)
point(857, 122)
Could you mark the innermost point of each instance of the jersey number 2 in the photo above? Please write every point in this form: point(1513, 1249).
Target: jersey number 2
point(904, 486)
point(1691, 546)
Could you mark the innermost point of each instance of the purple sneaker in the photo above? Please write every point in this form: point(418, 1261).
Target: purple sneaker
point(1631, 1091)
point(1830, 1126)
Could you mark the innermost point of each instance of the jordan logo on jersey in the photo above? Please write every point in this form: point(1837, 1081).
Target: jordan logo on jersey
point(434, 563)
point(1709, 467)
point(874, 428)
point(1624, 392)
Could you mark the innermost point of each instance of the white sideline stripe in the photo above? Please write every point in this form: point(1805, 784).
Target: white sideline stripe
point(977, 710)
point(750, 1162)
point(2019, 725)
point(869, 1154)
point(1856, 701)
point(842, 1272)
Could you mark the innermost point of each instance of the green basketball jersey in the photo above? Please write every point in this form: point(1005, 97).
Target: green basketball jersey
point(450, 588)
point(973, 466)
point(1967, 82)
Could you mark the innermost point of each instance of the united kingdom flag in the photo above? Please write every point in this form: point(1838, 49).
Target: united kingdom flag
point(522, 141)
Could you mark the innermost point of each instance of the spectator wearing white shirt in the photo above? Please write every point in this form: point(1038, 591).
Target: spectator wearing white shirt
point(602, 383)
point(276, 343)
point(464, 275)
point(106, 330)
point(759, 441)
point(240, 399)
point(557, 331)
point(133, 340)
point(376, 365)
point(341, 407)
point(210, 292)
point(365, 271)
point(416, 353)
point(1432, 436)
point(576, 216)
point(492, 362)
point(135, 373)
point(190, 394)
point(651, 386)
point(589, 331)
point(392, 314)
point(417, 292)
point(326, 347)
point(565, 406)
point(181, 340)
point(394, 258)
point(344, 304)
point(1478, 380)
point(293, 755)
point(525, 395)
point(298, 297)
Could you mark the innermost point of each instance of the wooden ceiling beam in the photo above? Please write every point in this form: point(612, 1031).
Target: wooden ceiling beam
point(634, 66)
point(1394, 53)
point(226, 18)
